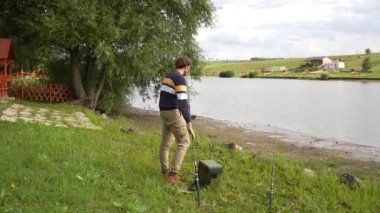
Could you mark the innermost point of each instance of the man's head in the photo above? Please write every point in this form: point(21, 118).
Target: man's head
point(183, 63)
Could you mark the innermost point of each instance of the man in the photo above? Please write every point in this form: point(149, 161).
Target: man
point(175, 115)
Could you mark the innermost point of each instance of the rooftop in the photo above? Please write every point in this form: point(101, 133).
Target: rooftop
point(6, 50)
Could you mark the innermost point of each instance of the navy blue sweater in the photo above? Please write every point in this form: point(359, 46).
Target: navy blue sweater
point(173, 94)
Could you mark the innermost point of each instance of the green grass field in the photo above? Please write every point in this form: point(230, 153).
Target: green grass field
point(351, 62)
point(52, 169)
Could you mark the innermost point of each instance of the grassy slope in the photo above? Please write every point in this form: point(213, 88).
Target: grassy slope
point(240, 67)
point(50, 169)
point(351, 61)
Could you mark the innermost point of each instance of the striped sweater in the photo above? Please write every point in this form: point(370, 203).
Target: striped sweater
point(173, 94)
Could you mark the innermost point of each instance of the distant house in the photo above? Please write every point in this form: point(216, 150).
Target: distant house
point(316, 61)
point(334, 65)
point(276, 69)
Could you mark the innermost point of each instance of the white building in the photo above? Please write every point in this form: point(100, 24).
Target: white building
point(316, 61)
point(334, 65)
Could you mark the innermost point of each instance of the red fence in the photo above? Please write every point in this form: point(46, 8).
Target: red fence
point(43, 92)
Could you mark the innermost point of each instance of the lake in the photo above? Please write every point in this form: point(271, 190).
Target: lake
point(347, 111)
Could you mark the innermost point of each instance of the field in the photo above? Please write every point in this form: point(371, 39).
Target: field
point(351, 62)
point(54, 169)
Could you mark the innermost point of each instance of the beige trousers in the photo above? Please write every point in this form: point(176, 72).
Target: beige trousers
point(173, 125)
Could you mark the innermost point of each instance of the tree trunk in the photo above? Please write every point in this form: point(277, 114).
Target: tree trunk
point(91, 77)
point(77, 79)
point(99, 89)
point(94, 82)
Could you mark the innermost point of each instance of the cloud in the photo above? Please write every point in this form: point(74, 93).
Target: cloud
point(285, 28)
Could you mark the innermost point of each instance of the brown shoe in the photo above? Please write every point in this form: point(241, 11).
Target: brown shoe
point(165, 173)
point(174, 180)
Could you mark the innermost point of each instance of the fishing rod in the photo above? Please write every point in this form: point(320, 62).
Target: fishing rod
point(196, 172)
point(204, 171)
point(196, 175)
point(271, 194)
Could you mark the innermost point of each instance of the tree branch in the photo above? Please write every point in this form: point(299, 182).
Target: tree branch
point(100, 86)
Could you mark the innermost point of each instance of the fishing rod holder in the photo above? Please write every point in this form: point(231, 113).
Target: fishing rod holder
point(208, 171)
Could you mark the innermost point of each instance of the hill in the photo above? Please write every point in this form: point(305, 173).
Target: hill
point(46, 167)
point(351, 62)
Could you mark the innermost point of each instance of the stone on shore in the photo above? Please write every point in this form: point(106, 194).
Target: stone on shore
point(234, 147)
point(309, 172)
point(350, 180)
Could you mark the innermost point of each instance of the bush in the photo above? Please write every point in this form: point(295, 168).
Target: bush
point(244, 76)
point(253, 74)
point(115, 96)
point(227, 74)
point(366, 65)
point(306, 66)
point(324, 76)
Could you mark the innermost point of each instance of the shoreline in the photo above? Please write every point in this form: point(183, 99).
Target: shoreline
point(351, 150)
point(310, 149)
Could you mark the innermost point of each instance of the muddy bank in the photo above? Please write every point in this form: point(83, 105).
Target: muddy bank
point(343, 155)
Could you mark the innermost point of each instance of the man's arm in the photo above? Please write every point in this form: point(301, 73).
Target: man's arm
point(182, 97)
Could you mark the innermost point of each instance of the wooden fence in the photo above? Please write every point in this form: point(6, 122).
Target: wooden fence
point(44, 92)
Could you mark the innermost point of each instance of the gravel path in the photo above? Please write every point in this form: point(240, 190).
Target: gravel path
point(48, 117)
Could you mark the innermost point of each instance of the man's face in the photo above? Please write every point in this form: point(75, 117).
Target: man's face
point(187, 70)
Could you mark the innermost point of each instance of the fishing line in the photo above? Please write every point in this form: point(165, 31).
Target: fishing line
point(196, 175)
point(271, 194)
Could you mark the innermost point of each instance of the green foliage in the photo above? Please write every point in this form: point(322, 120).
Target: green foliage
point(213, 68)
point(115, 97)
point(59, 72)
point(101, 42)
point(306, 66)
point(227, 74)
point(324, 76)
point(244, 76)
point(366, 65)
point(368, 51)
point(253, 74)
point(51, 169)
point(27, 81)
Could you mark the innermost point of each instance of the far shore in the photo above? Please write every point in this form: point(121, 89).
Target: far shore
point(349, 157)
point(308, 77)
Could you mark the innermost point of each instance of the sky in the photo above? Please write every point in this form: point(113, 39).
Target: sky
point(291, 28)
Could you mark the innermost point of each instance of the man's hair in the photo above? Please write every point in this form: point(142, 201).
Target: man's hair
point(182, 61)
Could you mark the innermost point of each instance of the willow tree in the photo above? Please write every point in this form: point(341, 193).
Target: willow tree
point(110, 45)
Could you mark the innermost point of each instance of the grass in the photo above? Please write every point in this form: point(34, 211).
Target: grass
point(213, 68)
point(51, 169)
point(351, 62)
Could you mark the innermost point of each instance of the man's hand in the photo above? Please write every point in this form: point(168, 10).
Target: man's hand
point(191, 130)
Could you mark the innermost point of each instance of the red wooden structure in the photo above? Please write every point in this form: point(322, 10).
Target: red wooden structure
point(21, 88)
point(44, 92)
point(7, 56)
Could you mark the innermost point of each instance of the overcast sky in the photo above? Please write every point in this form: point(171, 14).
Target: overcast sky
point(291, 28)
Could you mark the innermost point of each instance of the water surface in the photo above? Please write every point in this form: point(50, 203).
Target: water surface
point(346, 111)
